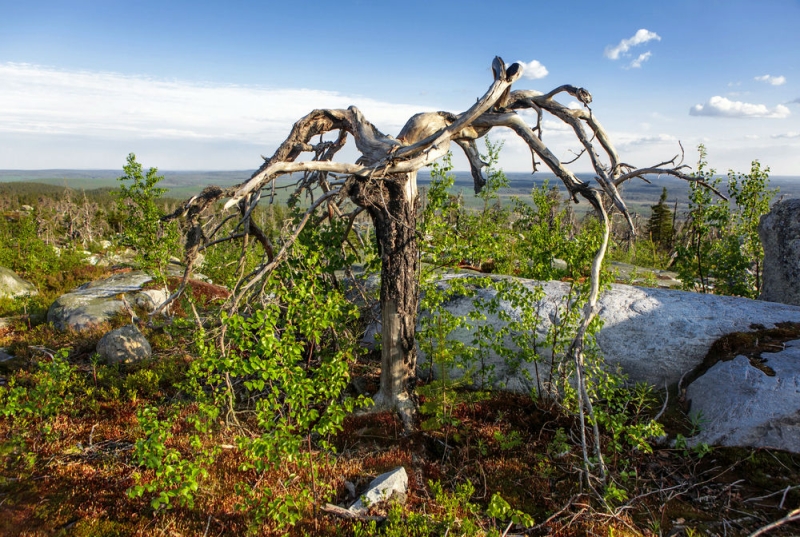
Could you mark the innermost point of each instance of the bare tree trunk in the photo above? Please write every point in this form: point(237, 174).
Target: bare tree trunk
point(392, 203)
point(383, 182)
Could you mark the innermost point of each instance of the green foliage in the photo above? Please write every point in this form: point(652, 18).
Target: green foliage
point(545, 232)
point(449, 513)
point(534, 237)
point(625, 413)
point(499, 509)
point(752, 196)
point(721, 251)
point(284, 363)
point(49, 391)
point(226, 261)
point(24, 251)
point(32, 402)
point(445, 353)
point(614, 495)
point(153, 240)
point(176, 478)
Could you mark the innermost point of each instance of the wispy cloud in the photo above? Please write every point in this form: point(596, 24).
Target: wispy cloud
point(774, 80)
point(640, 37)
point(533, 70)
point(796, 101)
point(637, 63)
point(790, 134)
point(721, 107)
point(630, 140)
point(39, 100)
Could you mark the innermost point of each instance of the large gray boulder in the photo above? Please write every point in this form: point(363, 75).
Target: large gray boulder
point(652, 335)
point(740, 405)
point(12, 286)
point(99, 301)
point(779, 231)
point(124, 345)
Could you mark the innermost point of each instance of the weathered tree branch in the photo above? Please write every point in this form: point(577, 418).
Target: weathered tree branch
point(383, 183)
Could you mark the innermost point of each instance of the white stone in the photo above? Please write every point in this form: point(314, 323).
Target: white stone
point(381, 489)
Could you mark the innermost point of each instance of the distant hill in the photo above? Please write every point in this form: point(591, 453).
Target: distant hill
point(638, 194)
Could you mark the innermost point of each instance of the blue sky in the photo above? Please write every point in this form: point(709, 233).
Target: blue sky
point(201, 85)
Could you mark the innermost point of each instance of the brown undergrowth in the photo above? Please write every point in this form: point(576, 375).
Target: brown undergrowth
point(68, 475)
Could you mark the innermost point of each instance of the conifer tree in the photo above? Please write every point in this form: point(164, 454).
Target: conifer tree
point(660, 227)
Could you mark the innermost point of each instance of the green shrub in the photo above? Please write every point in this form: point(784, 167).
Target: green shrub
point(153, 240)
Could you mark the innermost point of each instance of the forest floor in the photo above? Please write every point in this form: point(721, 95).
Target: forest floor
point(68, 475)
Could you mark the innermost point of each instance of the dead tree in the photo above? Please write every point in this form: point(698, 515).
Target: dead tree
point(383, 182)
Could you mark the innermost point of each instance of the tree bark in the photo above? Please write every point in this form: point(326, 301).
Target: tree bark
point(392, 203)
point(383, 181)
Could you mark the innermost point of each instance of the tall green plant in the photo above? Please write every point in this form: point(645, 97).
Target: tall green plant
point(752, 195)
point(708, 216)
point(659, 226)
point(720, 250)
point(153, 240)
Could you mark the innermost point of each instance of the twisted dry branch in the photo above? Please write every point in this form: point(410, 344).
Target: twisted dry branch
point(383, 180)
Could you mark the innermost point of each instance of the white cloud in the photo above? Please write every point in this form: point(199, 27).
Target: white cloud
point(624, 140)
point(721, 107)
point(559, 126)
point(774, 80)
point(639, 38)
point(637, 63)
point(533, 70)
point(43, 101)
point(790, 134)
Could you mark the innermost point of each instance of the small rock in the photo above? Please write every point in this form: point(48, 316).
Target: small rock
point(383, 487)
point(124, 345)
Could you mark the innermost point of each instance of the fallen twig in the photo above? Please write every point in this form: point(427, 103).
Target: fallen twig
point(791, 517)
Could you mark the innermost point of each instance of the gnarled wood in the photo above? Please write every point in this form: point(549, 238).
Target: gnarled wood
point(383, 182)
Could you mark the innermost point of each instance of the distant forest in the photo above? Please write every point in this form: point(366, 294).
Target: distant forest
point(25, 186)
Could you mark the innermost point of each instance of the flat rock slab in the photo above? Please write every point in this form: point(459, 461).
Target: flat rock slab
point(97, 302)
point(739, 405)
point(653, 335)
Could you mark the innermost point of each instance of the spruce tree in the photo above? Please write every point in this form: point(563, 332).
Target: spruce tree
point(659, 227)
